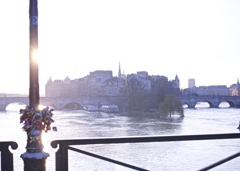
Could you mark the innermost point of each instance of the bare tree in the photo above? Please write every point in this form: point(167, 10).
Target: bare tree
point(171, 105)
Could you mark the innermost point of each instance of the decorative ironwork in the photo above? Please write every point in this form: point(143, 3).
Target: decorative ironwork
point(6, 155)
point(64, 146)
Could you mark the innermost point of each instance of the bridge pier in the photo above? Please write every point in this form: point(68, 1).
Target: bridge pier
point(2, 108)
point(191, 104)
point(237, 105)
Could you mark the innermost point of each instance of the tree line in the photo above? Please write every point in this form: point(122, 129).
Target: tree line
point(163, 97)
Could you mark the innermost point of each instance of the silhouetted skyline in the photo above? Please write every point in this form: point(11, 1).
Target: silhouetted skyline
point(191, 39)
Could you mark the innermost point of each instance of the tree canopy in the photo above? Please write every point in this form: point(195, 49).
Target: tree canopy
point(171, 105)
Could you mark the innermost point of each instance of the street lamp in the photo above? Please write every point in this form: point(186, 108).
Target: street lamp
point(34, 158)
point(34, 86)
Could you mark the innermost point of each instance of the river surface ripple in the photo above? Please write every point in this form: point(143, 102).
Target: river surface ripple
point(166, 156)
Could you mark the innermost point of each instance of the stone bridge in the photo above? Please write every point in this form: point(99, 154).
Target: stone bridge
point(60, 103)
point(214, 101)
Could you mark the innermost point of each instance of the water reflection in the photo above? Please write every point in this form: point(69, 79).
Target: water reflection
point(15, 106)
point(152, 156)
point(18, 106)
point(224, 105)
point(202, 105)
point(152, 124)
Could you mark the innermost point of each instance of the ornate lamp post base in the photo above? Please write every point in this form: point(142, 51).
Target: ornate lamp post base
point(34, 123)
point(34, 158)
point(34, 161)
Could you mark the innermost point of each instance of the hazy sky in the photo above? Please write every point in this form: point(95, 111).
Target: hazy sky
point(190, 38)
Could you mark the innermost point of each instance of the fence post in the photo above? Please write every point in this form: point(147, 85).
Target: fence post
point(62, 158)
point(7, 156)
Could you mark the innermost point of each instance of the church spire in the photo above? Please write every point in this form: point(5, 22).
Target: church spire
point(177, 82)
point(238, 87)
point(49, 80)
point(119, 71)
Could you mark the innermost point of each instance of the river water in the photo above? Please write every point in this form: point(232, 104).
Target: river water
point(166, 156)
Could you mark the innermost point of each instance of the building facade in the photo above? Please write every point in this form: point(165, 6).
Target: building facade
point(221, 90)
point(191, 83)
point(142, 90)
point(234, 89)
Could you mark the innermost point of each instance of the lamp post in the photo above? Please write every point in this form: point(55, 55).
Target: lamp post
point(34, 158)
point(33, 23)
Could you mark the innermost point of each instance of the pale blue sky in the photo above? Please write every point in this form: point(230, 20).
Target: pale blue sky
point(190, 38)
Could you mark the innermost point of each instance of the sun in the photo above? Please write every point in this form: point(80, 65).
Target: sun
point(36, 56)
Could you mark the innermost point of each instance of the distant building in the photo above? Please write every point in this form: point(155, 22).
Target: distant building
point(143, 90)
point(102, 83)
point(207, 90)
point(114, 87)
point(97, 83)
point(191, 83)
point(234, 89)
point(176, 83)
point(141, 79)
point(59, 88)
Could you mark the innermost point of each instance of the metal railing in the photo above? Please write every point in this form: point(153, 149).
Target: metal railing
point(65, 145)
point(6, 155)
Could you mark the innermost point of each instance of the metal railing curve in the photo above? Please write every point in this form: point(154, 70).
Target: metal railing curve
point(65, 145)
point(6, 155)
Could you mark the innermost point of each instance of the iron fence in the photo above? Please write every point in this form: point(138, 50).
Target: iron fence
point(65, 145)
point(6, 155)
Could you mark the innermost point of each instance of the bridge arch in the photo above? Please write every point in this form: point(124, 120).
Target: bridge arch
point(216, 104)
point(224, 104)
point(67, 105)
point(231, 103)
point(15, 106)
point(213, 100)
point(62, 103)
point(5, 101)
point(186, 104)
point(212, 104)
point(72, 105)
point(49, 104)
point(190, 104)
